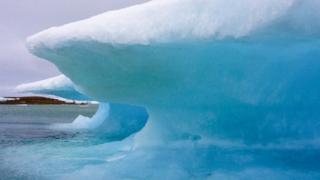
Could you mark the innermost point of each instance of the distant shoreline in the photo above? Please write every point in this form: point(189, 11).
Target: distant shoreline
point(38, 100)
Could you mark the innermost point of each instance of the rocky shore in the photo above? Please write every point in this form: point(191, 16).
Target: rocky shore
point(38, 100)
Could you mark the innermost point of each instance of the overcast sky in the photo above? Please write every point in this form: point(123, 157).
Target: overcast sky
point(21, 18)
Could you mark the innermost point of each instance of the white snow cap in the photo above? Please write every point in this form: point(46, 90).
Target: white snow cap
point(167, 21)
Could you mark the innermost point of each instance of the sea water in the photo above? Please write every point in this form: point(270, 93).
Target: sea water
point(32, 148)
point(26, 134)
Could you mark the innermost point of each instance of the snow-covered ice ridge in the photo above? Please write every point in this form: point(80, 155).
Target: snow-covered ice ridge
point(171, 21)
point(167, 21)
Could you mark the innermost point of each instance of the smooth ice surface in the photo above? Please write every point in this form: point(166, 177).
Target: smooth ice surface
point(242, 72)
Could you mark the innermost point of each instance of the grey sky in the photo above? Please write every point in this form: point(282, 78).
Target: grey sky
point(21, 18)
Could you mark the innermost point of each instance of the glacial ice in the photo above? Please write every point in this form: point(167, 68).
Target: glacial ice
point(245, 72)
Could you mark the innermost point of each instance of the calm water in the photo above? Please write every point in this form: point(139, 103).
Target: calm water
point(24, 130)
point(31, 148)
point(20, 124)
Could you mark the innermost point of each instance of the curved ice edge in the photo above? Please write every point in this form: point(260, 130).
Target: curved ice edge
point(110, 120)
point(84, 122)
point(99, 117)
point(114, 121)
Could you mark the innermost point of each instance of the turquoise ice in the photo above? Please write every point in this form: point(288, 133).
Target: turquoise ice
point(239, 75)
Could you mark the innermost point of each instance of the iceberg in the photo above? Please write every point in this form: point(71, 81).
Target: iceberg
point(201, 73)
point(211, 73)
